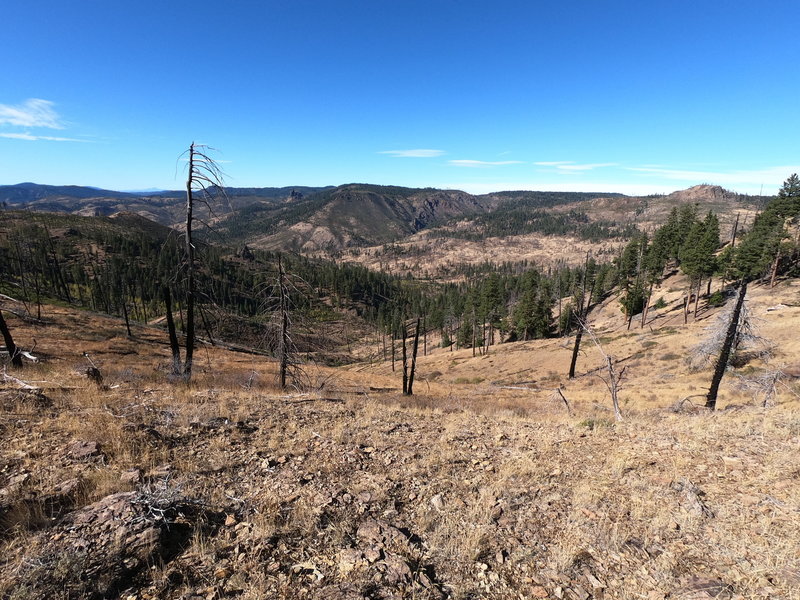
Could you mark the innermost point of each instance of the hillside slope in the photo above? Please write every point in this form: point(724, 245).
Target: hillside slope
point(349, 490)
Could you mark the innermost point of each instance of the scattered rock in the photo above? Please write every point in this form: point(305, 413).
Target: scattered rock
point(81, 450)
point(350, 559)
point(101, 549)
point(703, 588)
point(131, 477)
point(396, 570)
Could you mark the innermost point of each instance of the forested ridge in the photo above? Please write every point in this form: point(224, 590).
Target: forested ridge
point(120, 266)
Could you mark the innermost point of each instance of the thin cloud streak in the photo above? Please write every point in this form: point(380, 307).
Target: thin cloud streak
point(767, 176)
point(588, 167)
point(416, 153)
point(630, 189)
point(33, 138)
point(479, 164)
point(571, 166)
point(34, 112)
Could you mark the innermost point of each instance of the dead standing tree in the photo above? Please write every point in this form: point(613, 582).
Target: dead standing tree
point(204, 179)
point(410, 371)
point(614, 377)
point(727, 345)
point(278, 302)
point(580, 316)
point(173, 338)
point(11, 347)
point(285, 344)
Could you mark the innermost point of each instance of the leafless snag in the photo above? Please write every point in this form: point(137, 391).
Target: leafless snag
point(745, 337)
point(559, 395)
point(279, 336)
point(13, 352)
point(409, 371)
point(613, 378)
point(764, 384)
point(204, 177)
point(727, 345)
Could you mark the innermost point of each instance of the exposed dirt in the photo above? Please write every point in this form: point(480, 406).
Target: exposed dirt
point(143, 488)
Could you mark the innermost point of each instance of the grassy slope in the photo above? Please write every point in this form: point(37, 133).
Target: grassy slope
point(502, 493)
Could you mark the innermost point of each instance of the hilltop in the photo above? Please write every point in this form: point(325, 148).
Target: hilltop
point(357, 221)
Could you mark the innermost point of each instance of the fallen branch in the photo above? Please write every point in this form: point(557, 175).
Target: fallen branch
point(23, 385)
point(557, 393)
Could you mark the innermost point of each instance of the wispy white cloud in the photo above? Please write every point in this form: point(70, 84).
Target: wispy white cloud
point(480, 164)
point(34, 112)
point(600, 187)
point(33, 138)
point(568, 166)
point(586, 167)
point(416, 153)
point(753, 177)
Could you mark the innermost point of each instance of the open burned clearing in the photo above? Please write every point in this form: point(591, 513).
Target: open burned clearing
point(141, 488)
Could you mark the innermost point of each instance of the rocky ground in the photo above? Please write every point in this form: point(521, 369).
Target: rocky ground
point(138, 487)
point(212, 494)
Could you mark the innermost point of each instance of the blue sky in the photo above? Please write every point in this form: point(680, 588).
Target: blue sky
point(628, 96)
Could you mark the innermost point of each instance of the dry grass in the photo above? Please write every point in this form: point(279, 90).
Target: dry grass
point(501, 492)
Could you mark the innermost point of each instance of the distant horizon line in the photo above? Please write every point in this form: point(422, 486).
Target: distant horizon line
point(146, 191)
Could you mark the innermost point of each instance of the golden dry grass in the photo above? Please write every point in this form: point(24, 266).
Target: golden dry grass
point(502, 493)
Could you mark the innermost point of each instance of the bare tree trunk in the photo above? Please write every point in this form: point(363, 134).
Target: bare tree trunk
point(13, 351)
point(735, 229)
point(646, 308)
point(774, 271)
point(575, 350)
point(614, 387)
point(173, 338)
point(284, 342)
point(697, 298)
point(560, 332)
point(614, 381)
point(425, 337)
point(206, 324)
point(686, 301)
point(127, 320)
point(405, 361)
point(187, 367)
point(414, 348)
point(582, 314)
point(725, 352)
point(474, 328)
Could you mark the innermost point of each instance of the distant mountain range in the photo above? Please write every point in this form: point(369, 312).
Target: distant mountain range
point(314, 219)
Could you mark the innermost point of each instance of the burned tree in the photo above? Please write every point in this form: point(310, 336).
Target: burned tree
point(13, 352)
point(285, 344)
point(580, 317)
point(409, 370)
point(614, 377)
point(204, 179)
point(277, 293)
point(173, 338)
point(725, 350)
